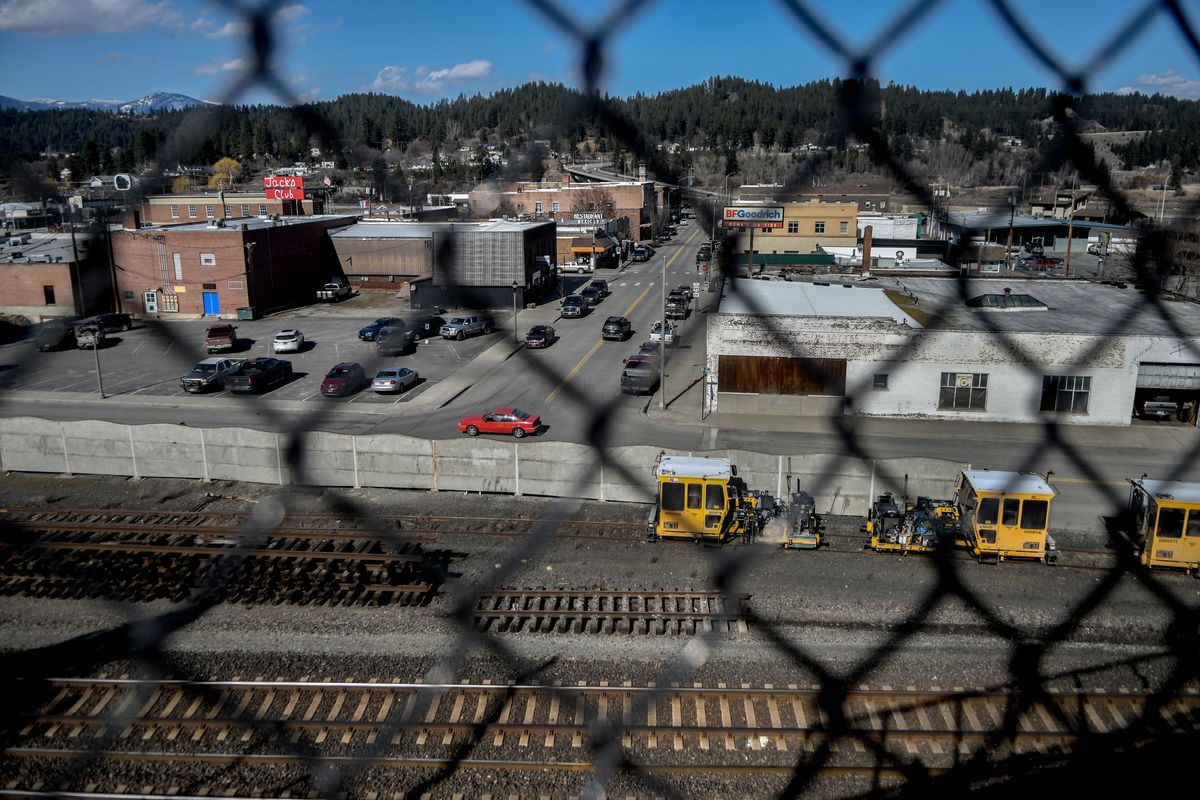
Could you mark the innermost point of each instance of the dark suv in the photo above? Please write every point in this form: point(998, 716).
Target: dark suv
point(617, 328)
point(602, 286)
point(110, 323)
point(574, 305)
point(53, 335)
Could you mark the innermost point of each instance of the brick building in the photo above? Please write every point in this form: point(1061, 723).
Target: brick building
point(45, 277)
point(211, 270)
point(805, 226)
point(169, 209)
point(633, 202)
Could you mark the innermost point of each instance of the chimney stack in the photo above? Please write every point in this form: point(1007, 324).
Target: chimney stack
point(867, 233)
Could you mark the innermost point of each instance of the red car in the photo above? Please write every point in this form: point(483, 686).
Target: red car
point(501, 420)
point(345, 378)
point(540, 336)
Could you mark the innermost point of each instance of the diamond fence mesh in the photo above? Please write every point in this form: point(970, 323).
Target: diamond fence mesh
point(593, 41)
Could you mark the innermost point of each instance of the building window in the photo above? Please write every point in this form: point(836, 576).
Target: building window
point(843, 227)
point(208, 211)
point(537, 207)
point(879, 381)
point(262, 210)
point(793, 226)
point(48, 294)
point(178, 259)
point(208, 287)
point(1066, 394)
point(191, 211)
point(234, 285)
point(228, 212)
point(245, 211)
point(208, 259)
point(554, 206)
point(127, 296)
point(174, 212)
point(819, 226)
point(963, 391)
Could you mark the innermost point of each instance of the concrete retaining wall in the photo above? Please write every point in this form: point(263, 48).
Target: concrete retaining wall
point(841, 485)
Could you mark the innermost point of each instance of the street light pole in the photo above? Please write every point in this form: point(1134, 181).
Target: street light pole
point(662, 346)
point(1012, 213)
point(516, 338)
point(96, 350)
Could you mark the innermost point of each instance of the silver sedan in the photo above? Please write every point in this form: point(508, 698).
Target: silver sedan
point(394, 379)
point(289, 340)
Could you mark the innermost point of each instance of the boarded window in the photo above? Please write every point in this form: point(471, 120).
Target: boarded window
point(790, 376)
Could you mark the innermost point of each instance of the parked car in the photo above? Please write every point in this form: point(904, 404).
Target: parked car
point(661, 333)
point(111, 323)
point(579, 267)
point(685, 289)
point(394, 379)
point(394, 341)
point(367, 333)
point(1034, 249)
point(288, 340)
point(1096, 249)
point(209, 375)
point(259, 375)
point(601, 286)
point(650, 349)
point(574, 305)
point(344, 379)
point(677, 305)
point(220, 337)
point(1043, 262)
point(639, 375)
point(540, 336)
point(88, 337)
point(462, 327)
point(512, 421)
point(591, 294)
point(427, 327)
point(53, 335)
point(1158, 408)
point(334, 291)
point(643, 252)
point(616, 328)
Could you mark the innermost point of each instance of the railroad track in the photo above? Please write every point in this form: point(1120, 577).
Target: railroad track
point(649, 611)
point(751, 730)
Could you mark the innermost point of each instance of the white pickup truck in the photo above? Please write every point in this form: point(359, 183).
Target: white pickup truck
point(659, 333)
point(332, 292)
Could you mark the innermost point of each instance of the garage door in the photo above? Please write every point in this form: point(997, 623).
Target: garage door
point(1168, 376)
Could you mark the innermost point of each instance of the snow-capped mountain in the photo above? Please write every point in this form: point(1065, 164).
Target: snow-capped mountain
point(150, 104)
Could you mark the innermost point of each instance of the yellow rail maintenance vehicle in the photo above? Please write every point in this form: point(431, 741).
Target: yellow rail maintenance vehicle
point(1005, 515)
point(703, 500)
point(1166, 519)
point(920, 527)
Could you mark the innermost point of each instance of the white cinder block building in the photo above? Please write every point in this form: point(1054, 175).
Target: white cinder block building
point(935, 348)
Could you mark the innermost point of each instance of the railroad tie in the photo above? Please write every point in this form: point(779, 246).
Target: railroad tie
point(726, 717)
point(460, 699)
point(701, 716)
point(310, 712)
point(502, 720)
point(382, 716)
point(358, 713)
point(776, 723)
point(626, 715)
point(751, 718)
point(577, 735)
point(530, 706)
point(552, 718)
point(651, 720)
point(430, 716)
point(676, 719)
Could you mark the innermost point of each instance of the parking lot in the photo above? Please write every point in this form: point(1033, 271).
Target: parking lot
point(149, 359)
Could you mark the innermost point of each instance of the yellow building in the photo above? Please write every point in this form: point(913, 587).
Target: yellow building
point(805, 226)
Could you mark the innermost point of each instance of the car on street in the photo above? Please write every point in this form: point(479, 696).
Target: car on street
point(219, 337)
point(209, 375)
point(643, 252)
point(53, 335)
point(659, 333)
point(507, 421)
point(1033, 249)
point(639, 375)
point(617, 329)
point(578, 267)
point(428, 326)
point(602, 286)
point(88, 336)
point(540, 336)
point(367, 333)
point(1096, 249)
point(1046, 263)
point(395, 341)
point(591, 294)
point(111, 323)
point(288, 340)
point(394, 379)
point(344, 379)
point(574, 305)
point(462, 327)
point(685, 289)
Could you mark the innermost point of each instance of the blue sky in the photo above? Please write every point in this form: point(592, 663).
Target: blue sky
point(424, 51)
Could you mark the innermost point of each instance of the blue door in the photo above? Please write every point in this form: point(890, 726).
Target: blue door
point(212, 306)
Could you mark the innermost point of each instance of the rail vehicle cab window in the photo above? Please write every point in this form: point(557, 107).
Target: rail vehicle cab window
point(1193, 523)
point(714, 497)
point(1170, 522)
point(672, 497)
point(694, 492)
point(1011, 511)
point(1034, 514)
point(989, 508)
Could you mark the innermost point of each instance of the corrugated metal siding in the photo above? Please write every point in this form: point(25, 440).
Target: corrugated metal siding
point(1168, 376)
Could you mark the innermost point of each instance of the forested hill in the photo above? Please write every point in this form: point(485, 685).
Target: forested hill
point(724, 113)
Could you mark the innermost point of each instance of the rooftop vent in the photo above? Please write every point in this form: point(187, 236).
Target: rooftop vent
point(1006, 302)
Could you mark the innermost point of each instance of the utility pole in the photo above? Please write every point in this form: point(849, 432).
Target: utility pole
point(1012, 213)
point(750, 256)
point(1070, 228)
point(662, 347)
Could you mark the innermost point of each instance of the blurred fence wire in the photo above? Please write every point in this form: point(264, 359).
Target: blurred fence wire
point(594, 44)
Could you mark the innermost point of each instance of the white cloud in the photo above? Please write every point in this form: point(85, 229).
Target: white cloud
point(391, 79)
point(235, 27)
point(1169, 82)
point(68, 17)
point(213, 67)
point(441, 79)
point(310, 95)
point(289, 13)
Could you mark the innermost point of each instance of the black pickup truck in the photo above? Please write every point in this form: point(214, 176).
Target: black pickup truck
point(259, 375)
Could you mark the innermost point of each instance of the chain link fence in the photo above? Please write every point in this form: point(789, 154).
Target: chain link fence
point(593, 42)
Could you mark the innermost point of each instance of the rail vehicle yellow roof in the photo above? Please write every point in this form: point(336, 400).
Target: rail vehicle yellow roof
point(986, 480)
point(1171, 491)
point(695, 467)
